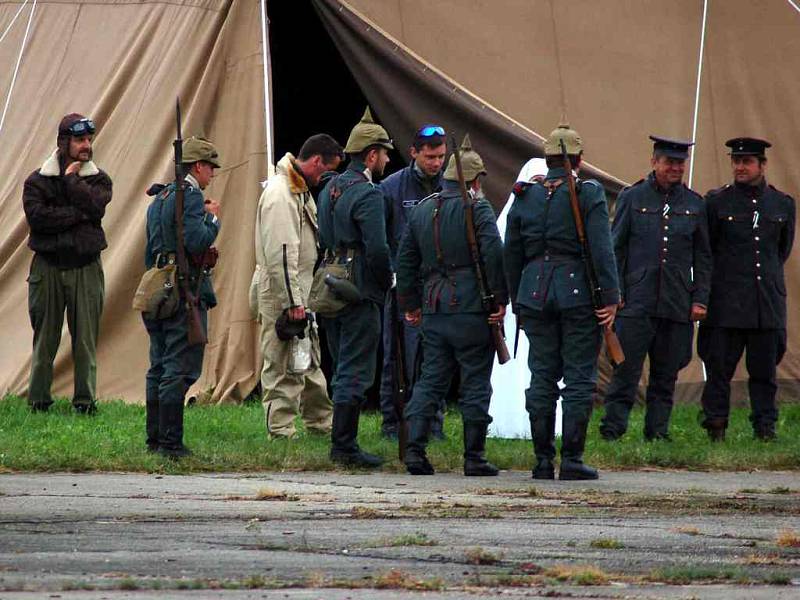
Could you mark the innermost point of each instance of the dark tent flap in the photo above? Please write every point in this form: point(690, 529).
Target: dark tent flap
point(406, 92)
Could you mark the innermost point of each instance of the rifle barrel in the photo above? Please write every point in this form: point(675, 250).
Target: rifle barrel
point(613, 345)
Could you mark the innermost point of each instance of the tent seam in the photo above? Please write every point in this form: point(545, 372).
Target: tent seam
point(135, 2)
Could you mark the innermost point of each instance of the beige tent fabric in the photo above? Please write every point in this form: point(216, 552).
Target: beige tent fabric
point(626, 70)
point(124, 63)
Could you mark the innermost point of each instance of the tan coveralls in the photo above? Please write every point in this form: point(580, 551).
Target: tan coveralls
point(286, 250)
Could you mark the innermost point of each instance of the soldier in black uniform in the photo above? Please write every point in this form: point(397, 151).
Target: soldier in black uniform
point(660, 236)
point(551, 295)
point(751, 226)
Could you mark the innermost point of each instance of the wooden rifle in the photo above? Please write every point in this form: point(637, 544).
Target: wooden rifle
point(400, 384)
point(196, 333)
point(487, 298)
point(613, 346)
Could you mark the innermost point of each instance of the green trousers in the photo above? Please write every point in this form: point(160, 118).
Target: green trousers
point(51, 291)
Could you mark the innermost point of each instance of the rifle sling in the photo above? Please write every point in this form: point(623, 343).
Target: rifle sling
point(183, 265)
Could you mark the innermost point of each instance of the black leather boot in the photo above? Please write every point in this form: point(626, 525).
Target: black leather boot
point(416, 460)
point(475, 464)
point(542, 432)
point(344, 448)
point(151, 420)
point(170, 429)
point(764, 431)
point(716, 429)
point(572, 444)
point(656, 420)
point(437, 425)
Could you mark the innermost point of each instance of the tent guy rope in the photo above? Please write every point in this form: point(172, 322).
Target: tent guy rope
point(16, 67)
point(14, 20)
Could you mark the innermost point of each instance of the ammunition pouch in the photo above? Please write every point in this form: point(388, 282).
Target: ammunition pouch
point(332, 288)
point(157, 296)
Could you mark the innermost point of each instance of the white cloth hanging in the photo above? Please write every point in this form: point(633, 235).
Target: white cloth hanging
point(509, 381)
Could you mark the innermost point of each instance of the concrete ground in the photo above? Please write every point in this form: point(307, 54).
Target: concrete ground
point(336, 536)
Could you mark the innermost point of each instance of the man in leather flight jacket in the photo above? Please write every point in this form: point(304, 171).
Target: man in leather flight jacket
point(65, 201)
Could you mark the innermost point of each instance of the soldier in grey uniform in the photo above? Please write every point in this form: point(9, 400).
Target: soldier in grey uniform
point(437, 286)
point(751, 226)
point(352, 223)
point(550, 291)
point(661, 243)
point(175, 364)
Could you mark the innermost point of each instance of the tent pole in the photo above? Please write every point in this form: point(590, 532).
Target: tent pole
point(697, 90)
point(267, 87)
point(694, 125)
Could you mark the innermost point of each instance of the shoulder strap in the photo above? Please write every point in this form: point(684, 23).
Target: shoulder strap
point(437, 240)
point(336, 191)
point(162, 197)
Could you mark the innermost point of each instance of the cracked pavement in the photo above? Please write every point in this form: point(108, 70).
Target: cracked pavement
point(340, 535)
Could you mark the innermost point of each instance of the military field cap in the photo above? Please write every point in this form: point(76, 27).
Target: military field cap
point(367, 133)
point(471, 163)
point(745, 146)
point(572, 140)
point(671, 148)
point(198, 148)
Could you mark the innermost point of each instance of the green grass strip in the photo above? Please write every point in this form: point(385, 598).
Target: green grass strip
point(233, 438)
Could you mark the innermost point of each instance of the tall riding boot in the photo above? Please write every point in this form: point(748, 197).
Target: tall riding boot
point(344, 448)
point(572, 444)
point(764, 431)
point(475, 464)
point(716, 428)
point(170, 429)
point(656, 420)
point(151, 419)
point(416, 460)
point(542, 432)
point(437, 425)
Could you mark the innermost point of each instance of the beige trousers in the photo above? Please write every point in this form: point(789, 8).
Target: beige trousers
point(285, 393)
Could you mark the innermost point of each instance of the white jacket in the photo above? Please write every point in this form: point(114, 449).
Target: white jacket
point(287, 242)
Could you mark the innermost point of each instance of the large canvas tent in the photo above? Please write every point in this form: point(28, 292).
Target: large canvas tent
point(503, 70)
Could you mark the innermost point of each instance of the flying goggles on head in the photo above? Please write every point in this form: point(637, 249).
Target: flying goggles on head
point(81, 127)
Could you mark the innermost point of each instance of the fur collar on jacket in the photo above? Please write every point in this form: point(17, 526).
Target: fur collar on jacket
point(297, 183)
point(51, 168)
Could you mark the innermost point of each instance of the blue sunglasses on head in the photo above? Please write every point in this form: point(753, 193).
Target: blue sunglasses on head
point(430, 131)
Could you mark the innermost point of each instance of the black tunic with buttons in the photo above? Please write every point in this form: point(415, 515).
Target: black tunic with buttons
point(751, 230)
point(662, 249)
